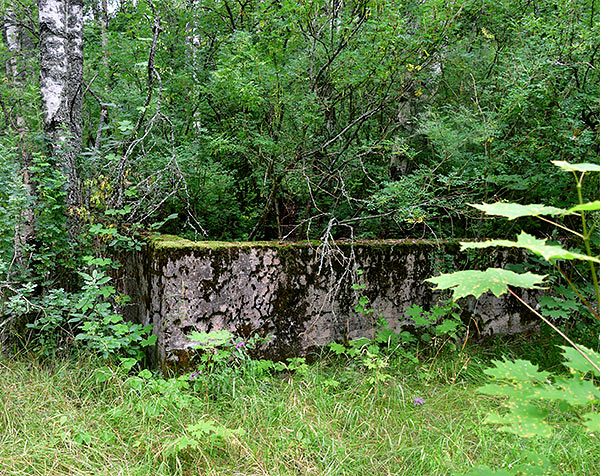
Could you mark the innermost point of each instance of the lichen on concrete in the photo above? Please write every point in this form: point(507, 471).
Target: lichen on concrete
point(301, 293)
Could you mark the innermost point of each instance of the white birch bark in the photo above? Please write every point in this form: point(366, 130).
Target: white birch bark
point(61, 76)
point(11, 34)
point(53, 62)
point(24, 224)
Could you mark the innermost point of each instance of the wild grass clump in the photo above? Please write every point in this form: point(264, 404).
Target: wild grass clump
point(327, 418)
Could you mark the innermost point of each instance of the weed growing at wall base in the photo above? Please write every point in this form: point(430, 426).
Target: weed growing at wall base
point(62, 319)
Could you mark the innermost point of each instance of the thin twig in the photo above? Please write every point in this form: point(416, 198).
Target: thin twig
point(561, 333)
point(583, 300)
point(561, 226)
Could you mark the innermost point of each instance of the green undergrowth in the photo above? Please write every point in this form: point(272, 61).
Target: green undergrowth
point(327, 418)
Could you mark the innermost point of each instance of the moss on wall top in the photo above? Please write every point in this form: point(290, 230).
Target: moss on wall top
point(172, 242)
point(164, 242)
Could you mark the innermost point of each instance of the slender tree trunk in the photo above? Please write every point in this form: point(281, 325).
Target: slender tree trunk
point(24, 225)
point(75, 79)
point(104, 34)
point(104, 37)
point(11, 37)
point(61, 79)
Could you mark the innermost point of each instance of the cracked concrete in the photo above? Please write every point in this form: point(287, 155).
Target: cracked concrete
point(275, 289)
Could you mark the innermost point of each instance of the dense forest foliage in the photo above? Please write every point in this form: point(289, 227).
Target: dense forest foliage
point(249, 120)
point(242, 119)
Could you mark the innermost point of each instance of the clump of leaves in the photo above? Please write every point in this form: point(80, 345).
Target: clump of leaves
point(526, 386)
point(367, 357)
point(88, 317)
point(523, 383)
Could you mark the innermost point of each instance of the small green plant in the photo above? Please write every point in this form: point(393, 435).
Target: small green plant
point(520, 381)
point(293, 365)
point(441, 326)
point(168, 394)
point(221, 350)
point(394, 342)
point(110, 234)
point(564, 306)
point(87, 316)
point(224, 359)
point(198, 434)
point(366, 356)
point(101, 328)
point(362, 307)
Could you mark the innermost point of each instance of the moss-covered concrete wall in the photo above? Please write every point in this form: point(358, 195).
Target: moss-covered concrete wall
point(302, 294)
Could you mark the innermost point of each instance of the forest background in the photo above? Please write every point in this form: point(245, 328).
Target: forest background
point(242, 120)
point(245, 120)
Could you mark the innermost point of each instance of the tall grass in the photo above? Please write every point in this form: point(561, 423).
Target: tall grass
point(57, 420)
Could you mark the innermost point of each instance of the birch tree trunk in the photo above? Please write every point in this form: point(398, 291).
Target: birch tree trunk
point(61, 79)
point(24, 224)
point(11, 36)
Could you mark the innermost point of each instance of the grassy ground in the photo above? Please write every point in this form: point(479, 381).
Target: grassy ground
point(58, 420)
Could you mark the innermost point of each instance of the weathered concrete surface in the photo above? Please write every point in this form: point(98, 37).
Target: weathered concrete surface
point(300, 293)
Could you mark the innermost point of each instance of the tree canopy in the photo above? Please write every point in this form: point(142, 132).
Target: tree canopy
point(255, 119)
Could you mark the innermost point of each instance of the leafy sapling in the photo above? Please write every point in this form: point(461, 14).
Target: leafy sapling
point(523, 383)
point(223, 357)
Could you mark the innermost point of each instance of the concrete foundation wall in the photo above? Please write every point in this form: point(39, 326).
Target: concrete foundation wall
point(302, 294)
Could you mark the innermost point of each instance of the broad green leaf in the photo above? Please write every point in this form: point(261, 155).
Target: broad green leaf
point(211, 339)
point(559, 303)
point(182, 443)
point(128, 363)
point(573, 391)
point(556, 314)
point(475, 283)
point(586, 207)
point(523, 419)
point(423, 320)
point(103, 374)
point(535, 245)
point(577, 391)
point(151, 340)
point(575, 361)
point(516, 210)
point(518, 391)
point(546, 392)
point(203, 427)
point(583, 167)
point(516, 371)
point(592, 421)
point(446, 327)
point(209, 427)
point(535, 465)
point(337, 348)
point(146, 374)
